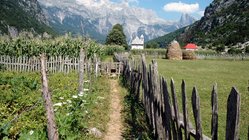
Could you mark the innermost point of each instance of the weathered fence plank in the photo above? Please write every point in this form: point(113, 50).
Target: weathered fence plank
point(168, 111)
point(162, 114)
point(185, 111)
point(81, 71)
point(197, 115)
point(233, 110)
point(51, 125)
point(176, 111)
point(214, 121)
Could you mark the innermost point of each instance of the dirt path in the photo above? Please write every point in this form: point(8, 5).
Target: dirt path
point(114, 126)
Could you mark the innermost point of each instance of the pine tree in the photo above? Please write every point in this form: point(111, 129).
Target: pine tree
point(117, 37)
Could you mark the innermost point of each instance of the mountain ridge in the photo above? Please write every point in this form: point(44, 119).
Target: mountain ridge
point(22, 15)
point(225, 22)
point(96, 19)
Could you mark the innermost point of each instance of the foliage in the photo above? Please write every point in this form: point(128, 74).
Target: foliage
point(111, 49)
point(136, 125)
point(205, 52)
point(188, 55)
point(74, 114)
point(117, 37)
point(247, 49)
point(12, 14)
point(234, 51)
point(220, 48)
point(152, 45)
point(60, 46)
point(166, 39)
point(18, 93)
point(149, 52)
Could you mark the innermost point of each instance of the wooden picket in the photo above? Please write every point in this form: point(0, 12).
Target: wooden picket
point(162, 109)
point(58, 64)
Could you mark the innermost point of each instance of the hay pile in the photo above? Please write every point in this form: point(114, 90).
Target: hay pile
point(174, 51)
point(189, 55)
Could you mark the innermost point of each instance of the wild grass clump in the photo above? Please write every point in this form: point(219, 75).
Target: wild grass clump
point(75, 113)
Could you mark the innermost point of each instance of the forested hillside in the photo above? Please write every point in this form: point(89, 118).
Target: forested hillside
point(224, 22)
point(22, 15)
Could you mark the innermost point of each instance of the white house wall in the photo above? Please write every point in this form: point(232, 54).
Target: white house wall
point(137, 47)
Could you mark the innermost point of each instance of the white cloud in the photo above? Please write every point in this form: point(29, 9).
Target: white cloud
point(131, 1)
point(93, 2)
point(201, 13)
point(181, 7)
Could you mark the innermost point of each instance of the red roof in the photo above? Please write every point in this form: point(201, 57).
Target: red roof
point(190, 46)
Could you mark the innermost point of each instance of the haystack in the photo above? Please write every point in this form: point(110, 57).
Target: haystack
point(174, 51)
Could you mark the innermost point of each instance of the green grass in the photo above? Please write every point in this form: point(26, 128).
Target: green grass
point(21, 90)
point(135, 122)
point(204, 74)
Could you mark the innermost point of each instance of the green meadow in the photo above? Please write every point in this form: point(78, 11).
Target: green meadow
point(204, 74)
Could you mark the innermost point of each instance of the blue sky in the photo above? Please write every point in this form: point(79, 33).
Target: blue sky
point(172, 9)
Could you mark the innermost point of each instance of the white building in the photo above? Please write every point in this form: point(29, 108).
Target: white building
point(138, 43)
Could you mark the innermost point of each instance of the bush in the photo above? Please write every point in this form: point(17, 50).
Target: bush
point(205, 52)
point(234, 51)
point(247, 49)
point(149, 52)
point(188, 55)
point(220, 48)
point(111, 49)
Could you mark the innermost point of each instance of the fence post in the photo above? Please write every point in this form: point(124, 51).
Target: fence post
point(214, 121)
point(196, 110)
point(144, 82)
point(167, 113)
point(185, 111)
point(176, 111)
point(81, 71)
point(51, 125)
point(233, 110)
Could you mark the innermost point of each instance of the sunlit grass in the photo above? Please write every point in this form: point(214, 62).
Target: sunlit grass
point(74, 116)
point(204, 74)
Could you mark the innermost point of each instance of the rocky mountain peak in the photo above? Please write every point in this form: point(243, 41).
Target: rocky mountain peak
point(96, 18)
point(186, 20)
point(224, 22)
point(22, 15)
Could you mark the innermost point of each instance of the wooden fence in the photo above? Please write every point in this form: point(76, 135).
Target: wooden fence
point(163, 111)
point(57, 64)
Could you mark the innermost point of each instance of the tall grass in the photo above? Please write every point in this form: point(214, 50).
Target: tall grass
point(75, 114)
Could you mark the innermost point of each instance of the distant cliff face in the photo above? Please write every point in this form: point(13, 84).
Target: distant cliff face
point(224, 22)
point(22, 15)
point(95, 19)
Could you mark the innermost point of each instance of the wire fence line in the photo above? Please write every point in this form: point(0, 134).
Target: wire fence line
point(17, 116)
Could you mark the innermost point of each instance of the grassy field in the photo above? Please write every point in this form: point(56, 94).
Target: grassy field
point(74, 114)
point(204, 74)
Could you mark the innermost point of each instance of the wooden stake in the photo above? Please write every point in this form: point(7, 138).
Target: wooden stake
point(51, 125)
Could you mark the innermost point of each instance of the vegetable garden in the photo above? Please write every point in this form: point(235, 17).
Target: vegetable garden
point(22, 110)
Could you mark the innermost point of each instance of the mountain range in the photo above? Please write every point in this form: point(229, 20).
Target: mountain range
point(22, 15)
point(225, 22)
point(93, 19)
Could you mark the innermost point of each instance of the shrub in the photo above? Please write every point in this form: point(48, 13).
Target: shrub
point(149, 52)
point(234, 51)
point(189, 55)
point(220, 48)
point(205, 52)
point(111, 49)
point(247, 49)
